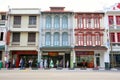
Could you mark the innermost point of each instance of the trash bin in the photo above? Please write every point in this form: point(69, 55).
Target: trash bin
point(0, 64)
point(107, 66)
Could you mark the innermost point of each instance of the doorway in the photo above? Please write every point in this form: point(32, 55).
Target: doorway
point(27, 58)
point(57, 60)
point(97, 61)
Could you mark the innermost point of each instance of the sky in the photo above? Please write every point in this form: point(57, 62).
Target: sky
point(73, 5)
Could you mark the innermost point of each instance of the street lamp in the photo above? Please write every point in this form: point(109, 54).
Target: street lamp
point(111, 50)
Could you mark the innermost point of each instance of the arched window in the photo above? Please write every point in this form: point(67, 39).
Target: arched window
point(65, 39)
point(89, 39)
point(48, 22)
point(48, 39)
point(97, 38)
point(64, 22)
point(80, 39)
point(56, 22)
point(56, 39)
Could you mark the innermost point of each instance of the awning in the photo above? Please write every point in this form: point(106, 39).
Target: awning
point(2, 47)
point(57, 48)
point(90, 48)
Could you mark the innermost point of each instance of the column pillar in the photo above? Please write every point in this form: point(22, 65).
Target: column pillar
point(39, 56)
point(52, 38)
point(72, 59)
point(106, 60)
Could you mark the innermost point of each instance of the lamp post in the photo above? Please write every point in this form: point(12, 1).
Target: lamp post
point(111, 51)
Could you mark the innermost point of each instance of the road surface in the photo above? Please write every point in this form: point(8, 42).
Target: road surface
point(54, 74)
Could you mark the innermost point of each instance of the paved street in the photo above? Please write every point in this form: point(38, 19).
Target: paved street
point(63, 74)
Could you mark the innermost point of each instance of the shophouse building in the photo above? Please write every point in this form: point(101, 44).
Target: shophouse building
point(23, 26)
point(56, 37)
point(90, 39)
point(112, 17)
point(3, 29)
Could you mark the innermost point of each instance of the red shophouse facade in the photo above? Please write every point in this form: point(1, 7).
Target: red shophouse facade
point(89, 34)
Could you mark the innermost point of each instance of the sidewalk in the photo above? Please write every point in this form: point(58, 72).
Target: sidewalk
point(64, 69)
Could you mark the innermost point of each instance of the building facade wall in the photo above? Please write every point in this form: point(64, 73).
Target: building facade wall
point(112, 22)
point(25, 47)
point(3, 30)
point(90, 33)
point(57, 36)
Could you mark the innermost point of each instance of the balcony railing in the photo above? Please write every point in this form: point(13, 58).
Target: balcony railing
point(32, 26)
point(16, 26)
point(15, 43)
point(2, 22)
point(31, 43)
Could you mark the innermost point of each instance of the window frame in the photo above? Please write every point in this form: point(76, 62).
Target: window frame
point(64, 38)
point(118, 20)
point(17, 20)
point(110, 20)
point(31, 37)
point(16, 37)
point(112, 37)
point(48, 22)
point(32, 20)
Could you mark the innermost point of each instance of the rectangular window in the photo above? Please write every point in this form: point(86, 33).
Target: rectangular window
point(89, 39)
point(112, 37)
point(80, 22)
point(16, 37)
point(118, 37)
point(111, 20)
point(31, 37)
point(97, 39)
point(3, 17)
point(118, 20)
point(88, 22)
point(32, 20)
point(1, 36)
point(80, 39)
point(17, 20)
point(96, 22)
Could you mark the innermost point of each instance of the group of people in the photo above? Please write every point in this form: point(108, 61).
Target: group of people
point(22, 63)
point(10, 63)
point(44, 63)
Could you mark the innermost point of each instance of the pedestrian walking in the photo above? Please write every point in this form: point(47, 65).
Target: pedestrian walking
point(57, 63)
point(13, 63)
point(41, 63)
point(30, 63)
point(67, 64)
point(45, 63)
point(51, 63)
point(21, 63)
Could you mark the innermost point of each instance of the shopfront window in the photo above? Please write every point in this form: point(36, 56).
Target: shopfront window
point(87, 57)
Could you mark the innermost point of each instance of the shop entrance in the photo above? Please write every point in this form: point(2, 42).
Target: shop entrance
point(85, 59)
point(27, 58)
point(57, 60)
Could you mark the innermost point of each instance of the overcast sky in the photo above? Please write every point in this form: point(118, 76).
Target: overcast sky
point(75, 5)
